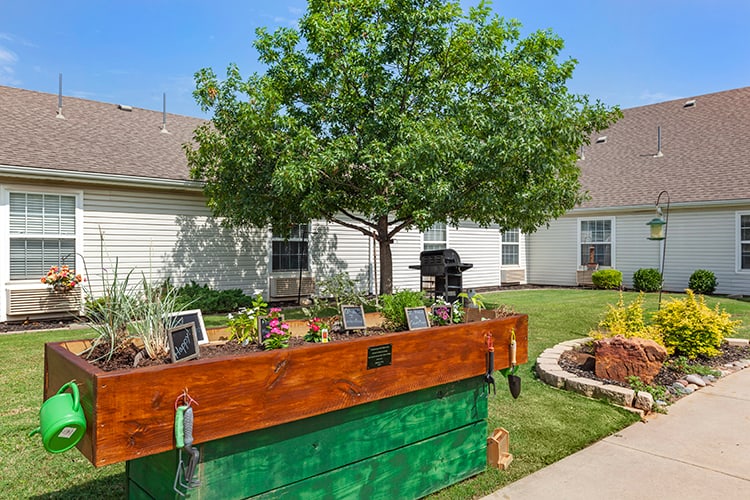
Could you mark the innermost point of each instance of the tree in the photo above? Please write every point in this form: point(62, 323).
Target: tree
point(384, 115)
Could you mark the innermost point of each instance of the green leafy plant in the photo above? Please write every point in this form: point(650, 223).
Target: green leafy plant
point(690, 328)
point(243, 324)
point(110, 314)
point(608, 279)
point(392, 307)
point(477, 300)
point(680, 364)
point(702, 281)
point(626, 320)
point(647, 280)
point(151, 318)
point(343, 289)
point(208, 300)
point(658, 392)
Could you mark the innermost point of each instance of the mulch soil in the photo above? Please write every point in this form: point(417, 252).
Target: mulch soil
point(125, 356)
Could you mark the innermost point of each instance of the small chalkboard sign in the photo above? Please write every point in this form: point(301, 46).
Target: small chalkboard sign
point(183, 343)
point(184, 317)
point(416, 318)
point(353, 317)
point(264, 326)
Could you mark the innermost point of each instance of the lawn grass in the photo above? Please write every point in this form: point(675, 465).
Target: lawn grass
point(545, 424)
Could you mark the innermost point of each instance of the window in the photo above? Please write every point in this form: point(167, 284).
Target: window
point(42, 230)
point(744, 237)
point(436, 237)
point(596, 242)
point(290, 254)
point(510, 247)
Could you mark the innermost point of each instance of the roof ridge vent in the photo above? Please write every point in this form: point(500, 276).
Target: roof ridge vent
point(689, 104)
point(125, 107)
point(601, 140)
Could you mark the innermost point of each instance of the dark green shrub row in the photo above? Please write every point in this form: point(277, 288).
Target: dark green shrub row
point(608, 279)
point(649, 280)
point(209, 301)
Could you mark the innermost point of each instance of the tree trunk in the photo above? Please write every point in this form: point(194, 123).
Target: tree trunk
point(386, 258)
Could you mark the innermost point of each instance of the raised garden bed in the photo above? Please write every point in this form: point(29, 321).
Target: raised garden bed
point(130, 413)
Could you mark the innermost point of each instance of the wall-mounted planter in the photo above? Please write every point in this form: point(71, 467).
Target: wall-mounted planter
point(130, 413)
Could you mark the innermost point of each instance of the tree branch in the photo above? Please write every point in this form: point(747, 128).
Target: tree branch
point(408, 221)
point(361, 229)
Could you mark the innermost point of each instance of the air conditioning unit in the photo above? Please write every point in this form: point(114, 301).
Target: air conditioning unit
point(290, 287)
point(38, 301)
point(512, 276)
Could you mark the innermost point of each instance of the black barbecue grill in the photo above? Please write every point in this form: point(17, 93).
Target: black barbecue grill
point(441, 273)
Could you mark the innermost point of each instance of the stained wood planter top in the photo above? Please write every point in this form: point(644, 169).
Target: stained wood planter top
point(130, 413)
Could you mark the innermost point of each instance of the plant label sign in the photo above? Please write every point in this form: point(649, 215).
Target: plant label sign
point(353, 317)
point(183, 342)
point(417, 318)
point(185, 317)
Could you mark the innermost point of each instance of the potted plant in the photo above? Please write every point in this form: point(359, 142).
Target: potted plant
point(61, 279)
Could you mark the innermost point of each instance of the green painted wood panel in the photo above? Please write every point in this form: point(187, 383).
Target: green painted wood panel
point(260, 461)
point(409, 472)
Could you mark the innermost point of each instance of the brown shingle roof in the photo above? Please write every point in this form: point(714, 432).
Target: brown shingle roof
point(94, 137)
point(706, 153)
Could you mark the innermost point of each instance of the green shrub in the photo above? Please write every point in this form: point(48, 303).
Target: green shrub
point(210, 301)
point(702, 281)
point(343, 289)
point(690, 328)
point(628, 321)
point(647, 280)
point(608, 279)
point(392, 307)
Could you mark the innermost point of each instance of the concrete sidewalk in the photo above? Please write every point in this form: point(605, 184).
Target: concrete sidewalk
point(700, 450)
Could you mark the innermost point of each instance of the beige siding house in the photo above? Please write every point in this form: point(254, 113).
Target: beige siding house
point(702, 161)
point(97, 186)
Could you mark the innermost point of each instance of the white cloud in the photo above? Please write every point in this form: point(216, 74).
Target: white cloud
point(648, 97)
point(8, 59)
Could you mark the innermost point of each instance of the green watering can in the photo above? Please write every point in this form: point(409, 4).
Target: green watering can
point(62, 423)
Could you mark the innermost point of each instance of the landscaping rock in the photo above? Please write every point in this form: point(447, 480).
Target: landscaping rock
point(679, 388)
point(618, 358)
point(643, 400)
point(692, 388)
point(695, 379)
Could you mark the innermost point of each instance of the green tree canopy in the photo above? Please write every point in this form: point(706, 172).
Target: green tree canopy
point(384, 115)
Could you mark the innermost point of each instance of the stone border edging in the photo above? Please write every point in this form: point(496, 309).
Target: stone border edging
point(551, 373)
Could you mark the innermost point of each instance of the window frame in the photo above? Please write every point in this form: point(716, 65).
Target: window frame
point(435, 243)
point(5, 236)
point(516, 244)
point(739, 242)
point(611, 243)
point(275, 239)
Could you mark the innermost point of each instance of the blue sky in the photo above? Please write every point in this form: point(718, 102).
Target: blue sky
point(629, 52)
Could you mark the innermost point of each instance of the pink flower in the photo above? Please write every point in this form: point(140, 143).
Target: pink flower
point(315, 328)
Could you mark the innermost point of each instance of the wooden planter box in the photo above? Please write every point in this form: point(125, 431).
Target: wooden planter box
point(130, 413)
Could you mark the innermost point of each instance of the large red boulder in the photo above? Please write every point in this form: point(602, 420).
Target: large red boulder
point(618, 358)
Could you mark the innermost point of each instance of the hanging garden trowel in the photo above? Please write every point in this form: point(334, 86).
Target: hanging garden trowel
point(514, 381)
